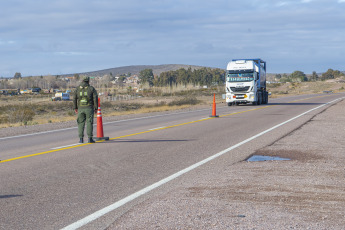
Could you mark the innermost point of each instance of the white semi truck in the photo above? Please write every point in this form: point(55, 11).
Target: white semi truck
point(246, 82)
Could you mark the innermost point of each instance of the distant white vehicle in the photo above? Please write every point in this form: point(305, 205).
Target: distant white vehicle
point(61, 97)
point(246, 82)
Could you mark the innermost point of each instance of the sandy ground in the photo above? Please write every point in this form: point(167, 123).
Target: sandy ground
point(306, 192)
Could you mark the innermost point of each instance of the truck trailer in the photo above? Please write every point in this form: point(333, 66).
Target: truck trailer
point(246, 82)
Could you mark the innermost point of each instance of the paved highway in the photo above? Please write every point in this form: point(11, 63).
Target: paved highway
point(49, 181)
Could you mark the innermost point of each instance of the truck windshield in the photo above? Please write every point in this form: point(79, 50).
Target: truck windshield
point(239, 77)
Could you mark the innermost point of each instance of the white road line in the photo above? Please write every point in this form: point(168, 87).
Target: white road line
point(61, 147)
point(129, 198)
point(32, 134)
point(157, 128)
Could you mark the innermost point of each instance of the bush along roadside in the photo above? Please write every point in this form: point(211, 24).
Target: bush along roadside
point(184, 101)
point(17, 114)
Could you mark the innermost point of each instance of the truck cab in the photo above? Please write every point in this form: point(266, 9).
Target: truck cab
point(246, 82)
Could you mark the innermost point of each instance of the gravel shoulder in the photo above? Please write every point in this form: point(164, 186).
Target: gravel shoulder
point(306, 192)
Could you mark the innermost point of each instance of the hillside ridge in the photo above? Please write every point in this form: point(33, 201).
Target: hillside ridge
point(135, 69)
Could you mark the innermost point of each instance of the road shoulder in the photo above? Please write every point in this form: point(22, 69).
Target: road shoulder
point(306, 192)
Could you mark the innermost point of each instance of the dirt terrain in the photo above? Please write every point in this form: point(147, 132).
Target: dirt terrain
point(306, 192)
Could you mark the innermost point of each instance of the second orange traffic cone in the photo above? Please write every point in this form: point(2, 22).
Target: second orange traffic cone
point(100, 135)
point(214, 114)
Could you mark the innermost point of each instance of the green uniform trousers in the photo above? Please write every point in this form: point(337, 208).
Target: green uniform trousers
point(85, 114)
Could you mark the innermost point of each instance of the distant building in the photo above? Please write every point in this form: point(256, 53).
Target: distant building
point(134, 79)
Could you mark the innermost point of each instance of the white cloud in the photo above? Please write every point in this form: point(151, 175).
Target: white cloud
point(280, 4)
point(70, 53)
point(7, 42)
point(292, 2)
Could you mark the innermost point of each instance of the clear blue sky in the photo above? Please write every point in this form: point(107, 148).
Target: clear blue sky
point(39, 37)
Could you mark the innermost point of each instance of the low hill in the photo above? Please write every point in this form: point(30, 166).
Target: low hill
point(157, 70)
point(135, 69)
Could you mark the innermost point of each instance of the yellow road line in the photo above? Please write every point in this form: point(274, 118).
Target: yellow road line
point(148, 131)
point(129, 135)
point(41, 153)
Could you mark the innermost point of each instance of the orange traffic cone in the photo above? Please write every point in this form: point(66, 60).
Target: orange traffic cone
point(100, 135)
point(214, 114)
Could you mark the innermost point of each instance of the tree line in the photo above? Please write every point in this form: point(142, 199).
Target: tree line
point(299, 76)
point(197, 77)
point(43, 82)
point(202, 76)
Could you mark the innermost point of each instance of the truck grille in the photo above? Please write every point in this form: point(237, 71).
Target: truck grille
point(239, 89)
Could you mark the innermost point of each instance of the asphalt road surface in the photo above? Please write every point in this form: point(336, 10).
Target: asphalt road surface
point(49, 181)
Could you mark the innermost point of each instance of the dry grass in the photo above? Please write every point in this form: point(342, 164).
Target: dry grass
point(62, 111)
point(53, 119)
point(297, 88)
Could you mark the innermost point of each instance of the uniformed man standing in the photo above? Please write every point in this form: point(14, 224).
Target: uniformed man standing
point(85, 100)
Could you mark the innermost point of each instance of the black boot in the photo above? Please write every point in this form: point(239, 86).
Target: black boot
point(91, 140)
point(81, 140)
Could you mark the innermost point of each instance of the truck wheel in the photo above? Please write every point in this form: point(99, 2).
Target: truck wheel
point(266, 97)
point(259, 99)
point(229, 104)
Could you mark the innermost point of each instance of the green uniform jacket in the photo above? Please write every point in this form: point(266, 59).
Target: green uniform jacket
point(91, 94)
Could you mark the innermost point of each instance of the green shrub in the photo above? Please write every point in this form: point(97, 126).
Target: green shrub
point(184, 101)
point(21, 114)
point(127, 106)
point(158, 104)
point(106, 104)
point(3, 119)
point(70, 113)
point(274, 85)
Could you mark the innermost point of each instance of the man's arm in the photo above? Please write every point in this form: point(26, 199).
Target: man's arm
point(95, 99)
point(75, 101)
